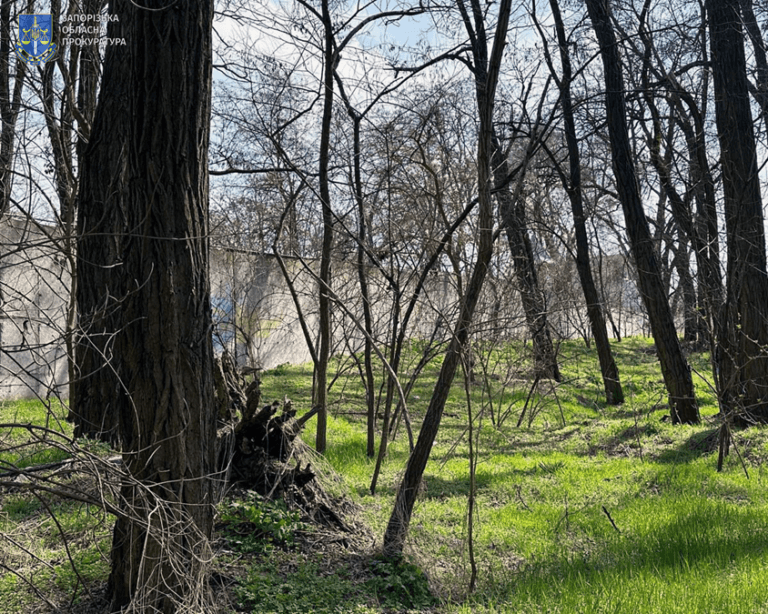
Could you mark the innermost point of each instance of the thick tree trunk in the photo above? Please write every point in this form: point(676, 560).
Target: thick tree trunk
point(144, 292)
point(742, 355)
point(102, 231)
point(674, 368)
point(610, 372)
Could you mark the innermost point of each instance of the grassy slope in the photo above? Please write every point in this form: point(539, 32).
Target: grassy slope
point(689, 539)
point(686, 538)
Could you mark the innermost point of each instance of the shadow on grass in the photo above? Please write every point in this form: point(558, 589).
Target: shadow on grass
point(698, 444)
point(439, 487)
point(629, 435)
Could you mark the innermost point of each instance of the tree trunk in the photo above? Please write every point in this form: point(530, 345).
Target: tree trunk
point(674, 368)
point(613, 390)
point(486, 79)
point(362, 277)
point(144, 290)
point(697, 327)
point(700, 229)
point(324, 350)
point(742, 355)
point(102, 231)
point(10, 105)
point(694, 330)
point(512, 211)
point(760, 88)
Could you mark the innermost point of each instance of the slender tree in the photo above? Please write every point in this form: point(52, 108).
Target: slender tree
point(675, 369)
point(760, 88)
point(330, 58)
point(486, 73)
point(12, 75)
point(572, 184)
point(143, 291)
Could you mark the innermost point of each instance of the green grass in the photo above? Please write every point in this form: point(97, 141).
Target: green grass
point(584, 508)
point(23, 447)
point(687, 538)
point(31, 541)
point(32, 545)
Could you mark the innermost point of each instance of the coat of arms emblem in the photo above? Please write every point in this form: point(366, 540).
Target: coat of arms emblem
point(35, 44)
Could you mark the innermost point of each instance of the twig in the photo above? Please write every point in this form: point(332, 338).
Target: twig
point(613, 524)
point(527, 400)
point(520, 497)
point(115, 460)
point(14, 472)
point(66, 546)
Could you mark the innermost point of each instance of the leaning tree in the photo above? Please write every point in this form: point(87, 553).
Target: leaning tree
point(486, 73)
point(674, 367)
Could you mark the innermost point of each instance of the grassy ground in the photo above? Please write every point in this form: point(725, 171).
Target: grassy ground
point(582, 508)
point(36, 561)
point(686, 538)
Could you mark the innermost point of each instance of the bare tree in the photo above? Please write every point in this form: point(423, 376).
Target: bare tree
point(742, 355)
point(486, 73)
point(12, 76)
point(675, 370)
point(572, 184)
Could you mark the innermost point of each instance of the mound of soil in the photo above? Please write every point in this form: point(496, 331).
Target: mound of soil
point(268, 456)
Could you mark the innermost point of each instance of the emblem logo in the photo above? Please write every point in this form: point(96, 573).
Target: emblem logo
point(35, 44)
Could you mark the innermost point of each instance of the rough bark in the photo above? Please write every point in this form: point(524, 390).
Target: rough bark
point(743, 358)
point(674, 368)
point(103, 230)
point(144, 293)
point(614, 393)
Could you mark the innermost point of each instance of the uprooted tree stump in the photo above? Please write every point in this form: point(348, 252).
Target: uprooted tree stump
point(264, 451)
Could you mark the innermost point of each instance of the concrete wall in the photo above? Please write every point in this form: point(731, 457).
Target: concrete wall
point(255, 316)
point(34, 290)
point(258, 322)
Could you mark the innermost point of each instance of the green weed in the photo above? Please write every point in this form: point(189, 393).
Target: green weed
point(256, 525)
point(299, 586)
point(585, 508)
point(399, 584)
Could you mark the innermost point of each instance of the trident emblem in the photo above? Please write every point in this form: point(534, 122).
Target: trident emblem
point(35, 33)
